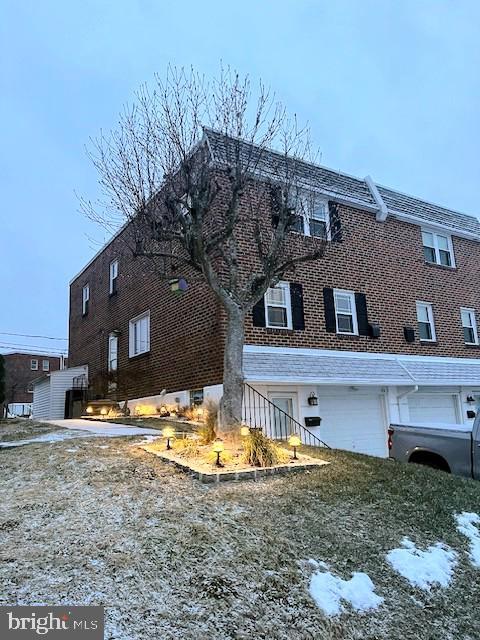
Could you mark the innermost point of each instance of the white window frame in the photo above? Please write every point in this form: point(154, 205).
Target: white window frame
point(431, 320)
point(313, 206)
point(112, 338)
point(45, 365)
point(473, 319)
point(34, 364)
point(85, 298)
point(131, 334)
point(288, 306)
point(113, 274)
point(435, 233)
point(351, 295)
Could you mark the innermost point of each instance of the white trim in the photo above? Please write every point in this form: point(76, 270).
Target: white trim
point(34, 368)
point(351, 295)
point(112, 338)
point(382, 214)
point(253, 348)
point(473, 319)
point(131, 335)
point(85, 298)
point(428, 306)
point(287, 306)
point(435, 233)
point(112, 274)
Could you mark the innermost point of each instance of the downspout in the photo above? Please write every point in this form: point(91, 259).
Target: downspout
point(408, 393)
point(382, 212)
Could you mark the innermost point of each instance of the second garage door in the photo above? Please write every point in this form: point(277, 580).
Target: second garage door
point(354, 421)
point(433, 407)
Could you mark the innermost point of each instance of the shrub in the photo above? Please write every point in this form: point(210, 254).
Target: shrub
point(260, 451)
point(207, 429)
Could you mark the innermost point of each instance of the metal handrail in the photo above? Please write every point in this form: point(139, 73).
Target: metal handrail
point(278, 426)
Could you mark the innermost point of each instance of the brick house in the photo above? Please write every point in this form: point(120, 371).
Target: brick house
point(382, 329)
point(21, 369)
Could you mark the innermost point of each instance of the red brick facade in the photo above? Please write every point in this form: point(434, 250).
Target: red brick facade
point(383, 260)
point(19, 374)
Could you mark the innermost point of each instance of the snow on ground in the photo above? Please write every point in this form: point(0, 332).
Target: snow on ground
point(83, 429)
point(466, 525)
point(424, 568)
point(329, 591)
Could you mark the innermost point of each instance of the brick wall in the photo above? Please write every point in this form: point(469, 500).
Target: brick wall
point(383, 260)
point(19, 374)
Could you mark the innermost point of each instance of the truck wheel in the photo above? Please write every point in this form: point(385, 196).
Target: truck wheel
point(430, 460)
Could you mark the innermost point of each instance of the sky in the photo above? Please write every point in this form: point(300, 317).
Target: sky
point(390, 88)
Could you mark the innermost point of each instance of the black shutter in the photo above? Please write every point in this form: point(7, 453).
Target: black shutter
point(335, 222)
point(329, 303)
point(296, 297)
point(258, 313)
point(362, 314)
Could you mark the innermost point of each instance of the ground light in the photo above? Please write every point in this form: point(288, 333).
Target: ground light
point(218, 447)
point(103, 411)
point(89, 409)
point(168, 433)
point(294, 441)
point(244, 431)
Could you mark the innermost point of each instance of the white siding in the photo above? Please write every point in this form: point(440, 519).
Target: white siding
point(41, 399)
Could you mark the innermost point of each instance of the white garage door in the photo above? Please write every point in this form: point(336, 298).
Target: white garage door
point(354, 421)
point(433, 407)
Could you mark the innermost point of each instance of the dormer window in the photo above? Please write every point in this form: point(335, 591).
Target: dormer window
point(437, 248)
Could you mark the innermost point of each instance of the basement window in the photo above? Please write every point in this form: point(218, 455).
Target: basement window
point(437, 248)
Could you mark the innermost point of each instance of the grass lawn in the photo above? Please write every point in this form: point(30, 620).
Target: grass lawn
point(103, 522)
point(151, 423)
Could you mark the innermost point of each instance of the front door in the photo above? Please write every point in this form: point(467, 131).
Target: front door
point(281, 425)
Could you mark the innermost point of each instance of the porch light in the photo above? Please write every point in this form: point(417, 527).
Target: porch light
point(89, 409)
point(294, 441)
point(312, 399)
point(470, 399)
point(168, 433)
point(244, 431)
point(218, 447)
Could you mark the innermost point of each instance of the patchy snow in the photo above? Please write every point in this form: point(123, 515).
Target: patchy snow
point(466, 524)
point(329, 591)
point(72, 450)
point(424, 568)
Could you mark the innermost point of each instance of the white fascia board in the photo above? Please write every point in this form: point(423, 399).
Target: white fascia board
point(251, 348)
point(330, 381)
point(431, 224)
point(382, 212)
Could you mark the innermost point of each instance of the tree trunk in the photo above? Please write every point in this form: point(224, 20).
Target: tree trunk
point(231, 404)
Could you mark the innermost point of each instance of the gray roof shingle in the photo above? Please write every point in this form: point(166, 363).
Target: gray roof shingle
point(338, 185)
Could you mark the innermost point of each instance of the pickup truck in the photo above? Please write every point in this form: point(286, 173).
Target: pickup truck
point(454, 448)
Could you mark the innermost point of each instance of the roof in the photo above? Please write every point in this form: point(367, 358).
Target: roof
point(342, 186)
point(315, 366)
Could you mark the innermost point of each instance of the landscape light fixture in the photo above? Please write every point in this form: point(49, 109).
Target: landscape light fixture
point(89, 409)
point(218, 447)
point(103, 411)
point(244, 431)
point(294, 441)
point(168, 433)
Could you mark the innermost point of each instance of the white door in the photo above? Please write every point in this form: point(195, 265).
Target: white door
point(433, 407)
point(354, 421)
point(284, 408)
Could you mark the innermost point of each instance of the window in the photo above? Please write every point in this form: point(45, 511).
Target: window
point(278, 307)
point(113, 277)
point(34, 365)
point(112, 352)
point(437, 248)
point(312, 216)
point(426, 326)
point(139, 335)
point(345, 312)
point(85, 299)
point(196, 397)
point(45, 365)
point(469, 324)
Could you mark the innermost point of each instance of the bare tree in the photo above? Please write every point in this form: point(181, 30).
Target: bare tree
point(189, 209)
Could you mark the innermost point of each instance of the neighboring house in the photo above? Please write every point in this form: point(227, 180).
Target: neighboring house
point(382, 329)
point(21, 370)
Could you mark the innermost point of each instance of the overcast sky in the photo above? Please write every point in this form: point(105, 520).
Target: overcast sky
point(390, 88)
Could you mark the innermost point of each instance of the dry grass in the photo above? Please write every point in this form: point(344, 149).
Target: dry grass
point(20, 429)
point(171, 558)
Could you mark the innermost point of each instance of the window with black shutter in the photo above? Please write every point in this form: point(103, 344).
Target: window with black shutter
point(336, 234)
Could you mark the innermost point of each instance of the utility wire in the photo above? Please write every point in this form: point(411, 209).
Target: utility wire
point(26, 335)
point(33, 347)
